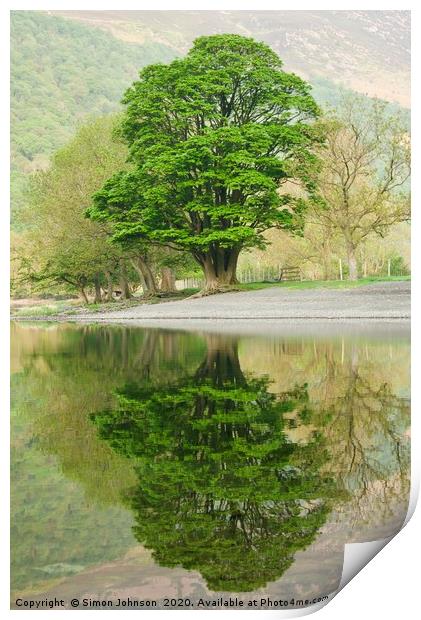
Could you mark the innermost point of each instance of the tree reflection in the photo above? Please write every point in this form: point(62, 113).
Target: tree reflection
point(221, 488)
point(368, 439)
point(228, 472)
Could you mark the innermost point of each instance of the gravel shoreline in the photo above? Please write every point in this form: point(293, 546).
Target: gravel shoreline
point(380, 301)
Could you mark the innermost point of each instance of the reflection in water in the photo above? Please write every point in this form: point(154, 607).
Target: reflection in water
point(221, 489)
point(246, 463)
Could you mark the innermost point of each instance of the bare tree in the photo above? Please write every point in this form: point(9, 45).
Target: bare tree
point(366, 167)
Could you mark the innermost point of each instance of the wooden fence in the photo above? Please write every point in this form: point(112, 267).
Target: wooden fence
point(290, 274)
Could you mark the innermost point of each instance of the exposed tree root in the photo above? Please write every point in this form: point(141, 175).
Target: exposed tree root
point(206, 292)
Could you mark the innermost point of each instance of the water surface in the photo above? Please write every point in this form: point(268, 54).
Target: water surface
point(152, 463)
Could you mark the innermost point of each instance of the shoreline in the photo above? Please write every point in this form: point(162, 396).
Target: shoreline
point(179, 319)
point(381, 301)
point(374, 329)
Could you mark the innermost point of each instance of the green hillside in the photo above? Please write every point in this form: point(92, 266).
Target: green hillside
point(62, 72)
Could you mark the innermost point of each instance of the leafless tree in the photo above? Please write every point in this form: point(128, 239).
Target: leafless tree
point(366, 168)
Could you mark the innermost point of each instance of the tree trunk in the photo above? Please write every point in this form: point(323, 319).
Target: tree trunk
point(98, 296)
point(167, 280)
point(352, 263)
point(141, 277)
point(109, 296)
point(145, 274)
point(83, 294)
point(124, 284)
point(222, 364)
point(219, 268)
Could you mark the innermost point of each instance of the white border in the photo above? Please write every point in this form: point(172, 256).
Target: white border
point(388, 585)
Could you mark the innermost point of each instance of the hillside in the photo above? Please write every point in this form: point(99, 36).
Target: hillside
point(366, 51)
point(62, 72)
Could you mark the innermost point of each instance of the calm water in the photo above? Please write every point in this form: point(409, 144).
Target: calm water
point(152, 463)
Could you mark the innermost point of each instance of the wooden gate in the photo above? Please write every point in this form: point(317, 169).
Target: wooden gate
point(290, 274)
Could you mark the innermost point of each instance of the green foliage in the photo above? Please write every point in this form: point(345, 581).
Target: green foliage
point(398, 266)
point(74, 249)
point(63, 71)
point(77, 252)
point(212, 137)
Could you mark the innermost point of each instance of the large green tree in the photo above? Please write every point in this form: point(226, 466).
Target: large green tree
point(213, 138)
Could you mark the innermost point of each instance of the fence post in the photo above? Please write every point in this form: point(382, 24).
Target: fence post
point(341, 276)
point(388, 267)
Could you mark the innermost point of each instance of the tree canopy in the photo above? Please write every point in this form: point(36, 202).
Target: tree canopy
point(212, 138)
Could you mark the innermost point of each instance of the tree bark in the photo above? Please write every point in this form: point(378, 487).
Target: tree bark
point(109, 296)
point(167, 280)
point(146, 276)
point(83, 294)
point(98, 296)
point(124, 284)
point(219, 268)
point(352, 263)
point(141, 277)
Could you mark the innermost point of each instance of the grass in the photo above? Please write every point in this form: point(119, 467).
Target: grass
point(52, 308)
point(309, 284)
point(61, 309)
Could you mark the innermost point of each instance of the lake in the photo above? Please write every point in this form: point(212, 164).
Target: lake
point(229, 460)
